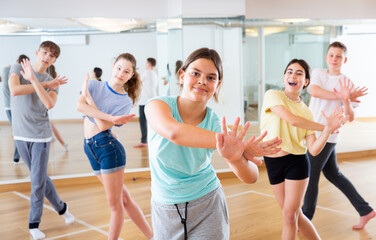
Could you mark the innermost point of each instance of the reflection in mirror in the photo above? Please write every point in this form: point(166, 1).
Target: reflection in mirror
point(242, 44)
point(83, 47)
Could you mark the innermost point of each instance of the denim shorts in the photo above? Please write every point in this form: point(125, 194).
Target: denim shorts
point(105, 153)
point(292, 167)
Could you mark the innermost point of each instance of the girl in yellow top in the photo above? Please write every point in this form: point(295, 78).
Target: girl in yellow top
point(285, 115)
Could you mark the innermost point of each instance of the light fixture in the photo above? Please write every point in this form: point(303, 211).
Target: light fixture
point(292, 20)
point(319, 30)
point(109, 24)
point(252, 32)
point(8, 27)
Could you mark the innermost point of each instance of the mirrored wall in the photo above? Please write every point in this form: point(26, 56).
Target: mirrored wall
point(254, 54)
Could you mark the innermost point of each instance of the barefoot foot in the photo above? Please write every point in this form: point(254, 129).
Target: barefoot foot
point(364, 220)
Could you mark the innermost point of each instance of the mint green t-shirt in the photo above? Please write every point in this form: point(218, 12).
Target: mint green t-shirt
point(181, 174)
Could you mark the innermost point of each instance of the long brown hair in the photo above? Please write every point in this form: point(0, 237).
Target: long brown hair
point(133, 85)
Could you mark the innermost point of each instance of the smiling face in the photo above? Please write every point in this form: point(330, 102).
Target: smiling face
point(200, 80)
point(295, 78)
point(122, 71)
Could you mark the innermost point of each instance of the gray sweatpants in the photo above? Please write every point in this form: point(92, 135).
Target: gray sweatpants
point(207, 218)
point(35, 156)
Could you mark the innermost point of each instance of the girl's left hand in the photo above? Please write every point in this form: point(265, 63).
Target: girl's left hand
point(231, 145)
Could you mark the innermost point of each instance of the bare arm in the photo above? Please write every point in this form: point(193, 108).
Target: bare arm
point(86, 105)
point(334, 121)
point(318, 92)
point(344, 95)
point(17, 89)
point(47, 99)
point(296, 121)
point(160, 118)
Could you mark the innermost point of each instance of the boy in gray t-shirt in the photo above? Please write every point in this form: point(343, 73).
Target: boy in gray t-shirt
point(33, 93)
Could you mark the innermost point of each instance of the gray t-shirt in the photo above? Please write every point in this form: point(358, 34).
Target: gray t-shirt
point(30, 120)
point(6, 88)
point(107, 100)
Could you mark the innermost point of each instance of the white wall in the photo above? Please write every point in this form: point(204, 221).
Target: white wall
point(77, 60)
point(360, 68)
point(319, 9)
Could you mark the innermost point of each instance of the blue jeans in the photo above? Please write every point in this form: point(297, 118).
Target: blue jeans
point(105, 153)
point(326, 162)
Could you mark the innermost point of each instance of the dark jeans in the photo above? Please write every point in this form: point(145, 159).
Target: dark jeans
point(326, 162)
point(9, 115)
point(143, 124)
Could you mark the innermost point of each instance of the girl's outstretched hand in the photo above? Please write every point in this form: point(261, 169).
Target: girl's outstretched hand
point(257, 148)
point(231, 145)
point(119, 120)
point(335, 120)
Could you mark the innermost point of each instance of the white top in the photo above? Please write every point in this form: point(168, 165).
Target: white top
point(149, 90)
point(321, 78)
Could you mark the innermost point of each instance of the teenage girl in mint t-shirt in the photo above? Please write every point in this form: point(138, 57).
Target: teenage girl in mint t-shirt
point(187, 198)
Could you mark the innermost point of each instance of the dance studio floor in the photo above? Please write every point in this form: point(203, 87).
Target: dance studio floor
point(254, 213)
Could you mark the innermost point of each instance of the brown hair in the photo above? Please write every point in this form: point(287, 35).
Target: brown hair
point(304, 65)
point(209, 54)
point(21, 58)
point(52, 71)
point(52, 47)
point(152, 61)
point(338, 45)
point(133, 85)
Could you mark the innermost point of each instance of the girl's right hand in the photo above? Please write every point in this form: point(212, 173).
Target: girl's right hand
point(335, 120)
point(119, 120)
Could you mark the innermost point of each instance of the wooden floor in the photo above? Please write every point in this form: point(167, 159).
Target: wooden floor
point(254, 213)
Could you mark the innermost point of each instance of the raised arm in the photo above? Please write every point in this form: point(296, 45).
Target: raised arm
point(334, 121)
point(344, 95)
point(160, 118)
point(231, 147)
point(17, 89)
point(48, 99)
point(104, 121)
point(296, 121)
